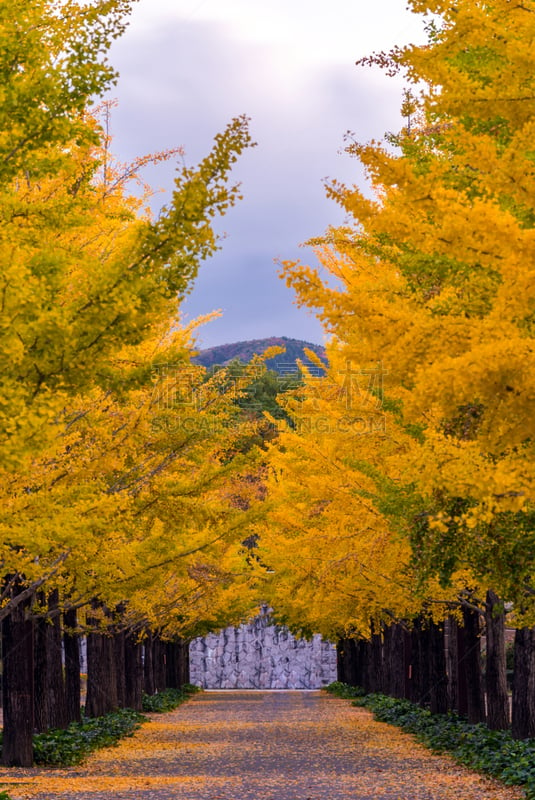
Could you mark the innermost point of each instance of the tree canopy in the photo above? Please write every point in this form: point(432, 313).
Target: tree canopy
point(434, 282)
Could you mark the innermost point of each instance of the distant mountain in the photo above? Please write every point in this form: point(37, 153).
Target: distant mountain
point(244, 351)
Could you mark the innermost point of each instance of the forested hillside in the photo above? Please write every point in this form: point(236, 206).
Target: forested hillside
point(283, 363)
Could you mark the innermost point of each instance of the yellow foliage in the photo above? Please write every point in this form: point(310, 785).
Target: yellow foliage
point(435, 283)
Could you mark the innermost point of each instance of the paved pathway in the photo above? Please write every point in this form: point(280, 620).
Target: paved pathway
point(260, 746)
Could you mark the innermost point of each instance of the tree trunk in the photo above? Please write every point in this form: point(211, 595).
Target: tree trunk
point(341, 661)
point(424, 665)
point(472, 666)
point(354, 668)
point(523, 725)
point(462, 681)
point(71, 645)
point(159, 664)
point(185, 662)
point(50, 698)
point(101, 674)
point(95, 702)
point(416, 666)
point(388, 660)
point(148, 665)
point(450, 637)
point(176, 663)
point(133, 654)
point(119, 657)
point(40, 678)
point(18, 687)
point(408, 665)
point(172, 665)
point(397, 661)
point(496, 672)
point(438, 690)
point(376, 662)
point(363, 648)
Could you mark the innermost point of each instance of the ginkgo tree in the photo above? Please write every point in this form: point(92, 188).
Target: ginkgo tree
point(90, 288)
point(83, 272)
point(107, 500)
point(78, 291)
point(336, 549)
point(53, 63)
point(435, 281)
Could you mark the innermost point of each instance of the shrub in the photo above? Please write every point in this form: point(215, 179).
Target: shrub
point(168, 699)
point(344, 690)
point(65, 748)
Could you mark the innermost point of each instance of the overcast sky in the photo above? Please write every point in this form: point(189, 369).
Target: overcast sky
point(187, 67)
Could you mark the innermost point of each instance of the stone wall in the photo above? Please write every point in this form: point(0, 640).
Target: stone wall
point(261, 655)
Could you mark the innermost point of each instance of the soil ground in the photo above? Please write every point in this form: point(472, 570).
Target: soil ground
point(260, 746)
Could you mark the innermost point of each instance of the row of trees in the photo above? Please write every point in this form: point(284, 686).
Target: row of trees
point(450, 666)
point(45, 688)
point(397, 495)
point(402, 492)
point(126, 472)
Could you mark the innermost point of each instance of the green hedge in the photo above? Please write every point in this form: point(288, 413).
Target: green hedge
point(65, 748)
point(494, 753)
point(168, 699)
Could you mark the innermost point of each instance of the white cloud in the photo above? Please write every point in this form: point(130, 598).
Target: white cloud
point(188, 66)
point(323, 32)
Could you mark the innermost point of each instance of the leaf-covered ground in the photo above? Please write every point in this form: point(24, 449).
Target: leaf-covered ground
point(260, 746)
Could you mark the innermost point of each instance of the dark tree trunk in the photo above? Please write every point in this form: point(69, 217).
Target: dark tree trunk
point(172, 664)
point(496, 671)
point(356, 664)
point(177, 673)
point(472, 666)
point(523, 724)
point(394, 660)
point(71, 645)
point(376, 662)
point(424, 665)
point(119, 657)
point(148, 665)
point(95, 702)
point(363, 647)
point(101, 674)
point(111, 667)
point(388, 660)
point(354, 667)
point(397, 661)
point(133, 654)
point(159, 664)
point(341, 661)
point(450, 636)
point(438, 690)
point(185, 662)
point(462, 680)
point(351, 659)
point(416, 672)
point(50, 697)
point(18, 687)
point(40, 677)
point(408, 665)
